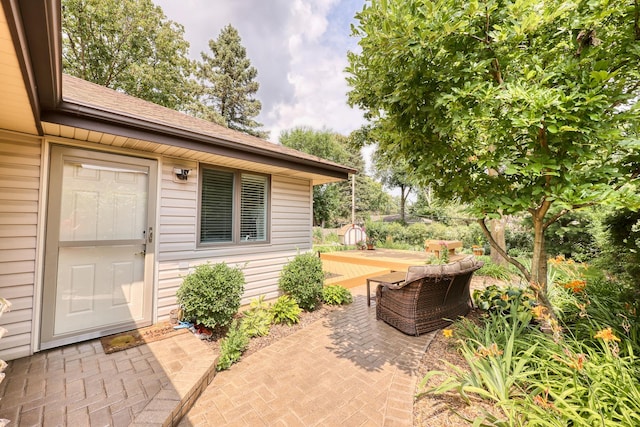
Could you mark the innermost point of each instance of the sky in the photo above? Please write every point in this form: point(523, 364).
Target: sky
point(299, 48)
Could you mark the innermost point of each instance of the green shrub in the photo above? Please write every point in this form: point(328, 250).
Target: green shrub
point(503, 299)
point(210, 295)
point(303, 278)
point(416, 234)
point(232, 346)
point(256, 320)
point(396, 232)
point(519, 239)
point(336, 295)
point(317, 235)
point(285, 310)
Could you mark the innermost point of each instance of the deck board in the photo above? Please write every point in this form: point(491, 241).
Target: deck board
point(352, 268)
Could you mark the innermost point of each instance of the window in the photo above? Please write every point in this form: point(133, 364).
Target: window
point(233, 207)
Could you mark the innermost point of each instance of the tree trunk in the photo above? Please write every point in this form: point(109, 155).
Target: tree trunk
point(497, 231)
point(403, 201)
point(539, 258)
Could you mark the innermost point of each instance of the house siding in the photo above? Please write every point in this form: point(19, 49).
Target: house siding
point(20, 169)
point(178, 251)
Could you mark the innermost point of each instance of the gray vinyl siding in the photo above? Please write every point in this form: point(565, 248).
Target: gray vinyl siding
point(19, 191)
point(178, 250)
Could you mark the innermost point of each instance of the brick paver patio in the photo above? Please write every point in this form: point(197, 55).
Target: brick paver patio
point(347, 369)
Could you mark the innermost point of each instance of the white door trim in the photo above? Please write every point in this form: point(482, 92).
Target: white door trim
point(57, 153)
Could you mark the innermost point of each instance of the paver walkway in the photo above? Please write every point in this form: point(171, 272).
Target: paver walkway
point(347, 369)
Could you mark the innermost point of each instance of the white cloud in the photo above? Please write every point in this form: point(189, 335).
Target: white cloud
point(298, 47)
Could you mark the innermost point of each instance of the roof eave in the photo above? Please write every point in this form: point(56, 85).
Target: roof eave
point(75, 114)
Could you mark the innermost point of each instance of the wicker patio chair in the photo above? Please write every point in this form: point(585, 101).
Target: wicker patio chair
point(430, 297)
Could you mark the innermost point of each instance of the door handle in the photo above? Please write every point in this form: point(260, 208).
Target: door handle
point(150, 235)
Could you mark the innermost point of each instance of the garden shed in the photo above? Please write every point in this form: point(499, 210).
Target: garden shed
point(107, 201)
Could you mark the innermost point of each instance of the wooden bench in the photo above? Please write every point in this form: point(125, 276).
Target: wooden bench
point(435, 246)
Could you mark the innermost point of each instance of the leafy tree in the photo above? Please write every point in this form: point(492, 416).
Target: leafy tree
point(228, 84)
point(513, 106)
point(129, 46)
point(371, 198)
point(328, 199)
point(394, 172)
point(516, 107)
point(332, 203)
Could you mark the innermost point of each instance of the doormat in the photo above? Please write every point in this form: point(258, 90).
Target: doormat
point(136, 337)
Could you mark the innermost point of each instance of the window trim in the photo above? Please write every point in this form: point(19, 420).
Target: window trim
point(236, 239)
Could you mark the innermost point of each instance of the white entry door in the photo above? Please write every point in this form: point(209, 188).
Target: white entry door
point(98, 257)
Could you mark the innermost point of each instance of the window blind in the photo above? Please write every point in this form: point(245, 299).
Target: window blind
point(253, 208)
point(216, 221)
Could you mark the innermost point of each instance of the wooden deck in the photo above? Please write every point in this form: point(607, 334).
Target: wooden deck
point(352, 268)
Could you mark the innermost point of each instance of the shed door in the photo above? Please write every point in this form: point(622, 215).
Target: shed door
point(97, 268)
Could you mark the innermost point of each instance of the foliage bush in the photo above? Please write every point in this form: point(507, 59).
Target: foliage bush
point(210, 295)
point(395, 232)
point(285, 311)
point(376, 232)
point(256, 320)
point(303, 279)
point(585, 374)
point(504, 299)
point(573, 236)
point(416, 234)
point(232, 346)
point(620, 246)
point(519, 239)
point(336, 295)
point(318, 236)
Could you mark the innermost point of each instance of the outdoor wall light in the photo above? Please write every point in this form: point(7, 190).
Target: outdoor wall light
point(181, 174)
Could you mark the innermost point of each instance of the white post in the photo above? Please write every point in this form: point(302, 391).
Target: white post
point(353, 199)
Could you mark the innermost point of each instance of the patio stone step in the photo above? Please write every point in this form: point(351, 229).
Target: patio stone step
point(150, 385)
point(191, 366)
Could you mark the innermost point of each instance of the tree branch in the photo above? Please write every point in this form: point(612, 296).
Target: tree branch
point(495, 246)
point(563, 212)
point(636, 21)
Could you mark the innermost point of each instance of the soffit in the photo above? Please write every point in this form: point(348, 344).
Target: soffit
point(119, 142)
point(16, 113)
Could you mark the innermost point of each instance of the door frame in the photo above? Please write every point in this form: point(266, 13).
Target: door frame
point(57, 153)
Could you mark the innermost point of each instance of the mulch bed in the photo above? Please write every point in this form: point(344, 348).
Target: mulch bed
point(444, 410)
point(276, 332)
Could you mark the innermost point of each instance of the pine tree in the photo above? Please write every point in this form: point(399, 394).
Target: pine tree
point(228, 83)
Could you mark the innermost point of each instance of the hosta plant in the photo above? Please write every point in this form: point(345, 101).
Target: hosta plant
point(285, 310)
point(502, 299)
point(256, 320)
point(336, 295)
point(232, 346)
